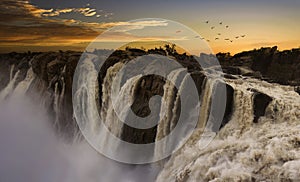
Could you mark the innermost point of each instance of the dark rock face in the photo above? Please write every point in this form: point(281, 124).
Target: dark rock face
point(269, 64)
point(263, 59)
point(4, 70)
point(51, 68)
point(54, 71)
point(255, 74)
point(198, 78)
point(215, 111)
point(297, 89)
point(229, 105)
point(260, 103)
point(58, 69)
point(147, 87)
point(232, 70)
point(17, 62)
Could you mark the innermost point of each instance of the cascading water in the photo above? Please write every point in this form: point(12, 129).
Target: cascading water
point(10, 86)
point(246, 151)
point(107, 112)
point(24, 85)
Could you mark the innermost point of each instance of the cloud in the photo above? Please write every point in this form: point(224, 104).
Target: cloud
point(128, 26)
point(23, 9)
point(88, 12)
point(23, 24)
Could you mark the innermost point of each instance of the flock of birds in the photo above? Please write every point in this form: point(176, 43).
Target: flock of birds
point(218, 34)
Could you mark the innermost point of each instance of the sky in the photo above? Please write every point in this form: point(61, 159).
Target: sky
point(40, 25)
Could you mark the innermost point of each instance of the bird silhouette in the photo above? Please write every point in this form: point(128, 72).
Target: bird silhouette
point(219, 33)
point(226, 39)
point(197, 36)
point(212, 27)
point(231, 40)
point(227, 26)
point(237, 37)
point(216, 38)
point(208, 40)
point(243, 36)
point(221, 23)
point(178, 31)
point(207, 21)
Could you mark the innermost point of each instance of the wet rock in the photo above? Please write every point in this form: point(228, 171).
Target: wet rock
point(281, 67)
point(225, 108)
point(254, 74)
point(297, 89)
point(232, 70)
point(260, 103)
point(228, 76)
point(147, 87)
point(198, 78)
point(229, 105)
point(5, 69)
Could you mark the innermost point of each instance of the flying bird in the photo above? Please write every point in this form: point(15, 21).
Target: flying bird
point(178, 31)
point(212, 27)
point(216, 38)
point(208, 40)
point(197, 36)
point(226, 39)
point(243, 36)
point(221, 23)
point(207, 21)
point(227, 26)
point(237, 37)
point(231, 40)
point(219, 33)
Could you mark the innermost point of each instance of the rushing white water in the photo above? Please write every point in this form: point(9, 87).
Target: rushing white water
point(108, 114)
point(24, 85)
point(245, 151)
point(88, 113)
point(268, 150)
point(31, 151)
point(168, 111)
point(10, 86)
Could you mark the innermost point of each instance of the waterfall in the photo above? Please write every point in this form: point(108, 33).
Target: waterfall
point(11, 72)
point(58, 98)
point(244, 150)
point(88, 113)
point(107, 113)
point(168, 110)
point(10, 86)
point(24, 85)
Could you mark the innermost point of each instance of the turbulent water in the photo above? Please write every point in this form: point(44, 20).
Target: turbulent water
point(243, 150)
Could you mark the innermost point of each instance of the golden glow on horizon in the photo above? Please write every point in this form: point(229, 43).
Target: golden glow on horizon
point(31, 28)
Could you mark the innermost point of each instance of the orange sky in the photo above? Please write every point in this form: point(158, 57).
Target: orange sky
point(25, 26)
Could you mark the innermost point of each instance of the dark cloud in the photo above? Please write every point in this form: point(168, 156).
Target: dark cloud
point(25, 24)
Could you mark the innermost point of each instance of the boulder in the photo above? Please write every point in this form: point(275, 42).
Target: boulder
point(260, 103)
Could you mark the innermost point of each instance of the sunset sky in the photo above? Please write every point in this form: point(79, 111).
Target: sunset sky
point(41, 25)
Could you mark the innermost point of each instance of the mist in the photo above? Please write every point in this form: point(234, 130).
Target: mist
point(31, 151)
